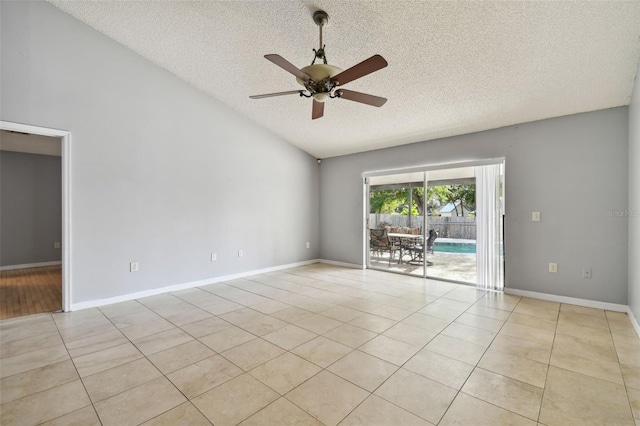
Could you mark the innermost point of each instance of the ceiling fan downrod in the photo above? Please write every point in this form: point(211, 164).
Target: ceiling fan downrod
point(321, 18)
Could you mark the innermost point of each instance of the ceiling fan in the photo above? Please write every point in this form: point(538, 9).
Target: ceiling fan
point(323, 81)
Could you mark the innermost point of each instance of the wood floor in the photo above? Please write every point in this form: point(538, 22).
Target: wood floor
point(30, 291)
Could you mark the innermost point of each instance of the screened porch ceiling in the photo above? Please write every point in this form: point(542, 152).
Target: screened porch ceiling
point(458, 175)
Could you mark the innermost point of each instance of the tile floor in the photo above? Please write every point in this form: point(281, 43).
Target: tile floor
point(322, 345)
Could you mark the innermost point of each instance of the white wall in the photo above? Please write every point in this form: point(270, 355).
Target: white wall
point(161, 173)
point(572, 169)
point(634, 200)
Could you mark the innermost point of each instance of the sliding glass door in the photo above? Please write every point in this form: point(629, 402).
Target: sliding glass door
point(396, 218)
point(439, 222)
point(451, 222)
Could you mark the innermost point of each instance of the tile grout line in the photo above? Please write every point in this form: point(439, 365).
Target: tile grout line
point(624, 382)
point(546, 377)
point(79, 376)
point(459, 391)
point(370, 392)
point(403, 364)
point(154, 366)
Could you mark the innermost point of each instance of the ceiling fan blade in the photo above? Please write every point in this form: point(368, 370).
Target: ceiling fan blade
point(288, 66)
point(363, 98)
point(270, 95)
point(318, 110)
point(374, 63)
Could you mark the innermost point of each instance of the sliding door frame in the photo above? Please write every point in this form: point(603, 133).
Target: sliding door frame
point(417, 169)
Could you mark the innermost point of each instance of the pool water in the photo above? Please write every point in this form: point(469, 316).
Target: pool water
point(454, 247)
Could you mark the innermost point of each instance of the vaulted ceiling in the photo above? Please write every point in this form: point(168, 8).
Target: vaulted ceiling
point(454, 67)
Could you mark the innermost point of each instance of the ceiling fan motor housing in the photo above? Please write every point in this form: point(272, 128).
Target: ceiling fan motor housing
point(320, 86)
point(319, 72)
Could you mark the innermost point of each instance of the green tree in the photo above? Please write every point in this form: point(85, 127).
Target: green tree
point(458, 195)
point(463, 196)
point(385, 201)
point(396, 201)
point(468, 196)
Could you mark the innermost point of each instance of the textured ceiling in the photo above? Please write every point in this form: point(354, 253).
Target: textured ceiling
point(454, 67)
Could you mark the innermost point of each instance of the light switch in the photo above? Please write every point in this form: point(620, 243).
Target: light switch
point(535, 216)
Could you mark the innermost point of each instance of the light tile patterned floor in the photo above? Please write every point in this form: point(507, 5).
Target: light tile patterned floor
point(322, 345)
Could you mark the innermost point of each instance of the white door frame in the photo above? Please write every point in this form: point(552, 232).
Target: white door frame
point(65, 136)
point(365, 237)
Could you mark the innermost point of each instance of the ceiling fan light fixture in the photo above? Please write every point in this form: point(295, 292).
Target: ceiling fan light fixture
point(319, 72)
point(321, 97)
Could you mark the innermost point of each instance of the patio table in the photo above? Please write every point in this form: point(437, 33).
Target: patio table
point(407, 237)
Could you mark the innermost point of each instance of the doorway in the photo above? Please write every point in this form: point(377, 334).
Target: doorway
point(456, 210)
point(35, 261)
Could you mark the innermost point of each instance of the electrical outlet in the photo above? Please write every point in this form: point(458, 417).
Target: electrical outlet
point(586, 273)
point(308, 244)
point(214, 257)
point(553, 268)
point(535, 216)
point(240, 253)
point(56, 245)
point(133, 267)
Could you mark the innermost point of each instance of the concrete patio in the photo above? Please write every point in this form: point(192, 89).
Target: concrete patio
point(451, 266)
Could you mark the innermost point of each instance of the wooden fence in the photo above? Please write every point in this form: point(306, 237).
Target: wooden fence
point(447, 227)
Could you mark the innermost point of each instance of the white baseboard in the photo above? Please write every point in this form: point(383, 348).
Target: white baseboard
point(346, 265)
point(153, 292)
point(184, 286)
point(30, 265)
point(569, 300)
point(634, 321)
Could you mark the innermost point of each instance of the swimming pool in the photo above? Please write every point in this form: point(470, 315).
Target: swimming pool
point(454, 247)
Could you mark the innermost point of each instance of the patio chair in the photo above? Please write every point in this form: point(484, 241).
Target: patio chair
point(379, 241)
point(407, 245)
point(418, 249)
point(433, 234)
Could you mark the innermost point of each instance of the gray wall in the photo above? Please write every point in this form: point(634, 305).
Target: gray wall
point(161, 173)
point(30, 208)
point(572, 169)
point(634, 200)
